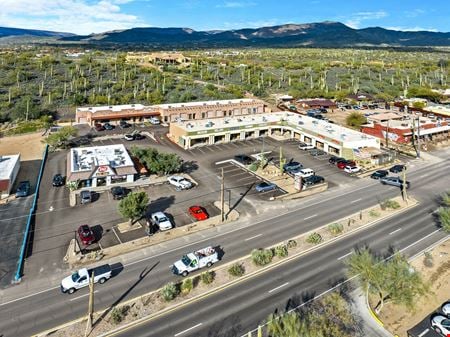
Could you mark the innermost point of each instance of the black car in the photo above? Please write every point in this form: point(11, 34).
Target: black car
point(333, 159)
point(108, 126)
point(138, 136)
point(379, 174)
point(397, 168)
point(58, 180)
point(313, 180)
point(243, 159)
point(118, 192)
point(23, 189)
point(124, 124)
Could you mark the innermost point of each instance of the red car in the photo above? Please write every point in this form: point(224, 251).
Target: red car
point(342, 164)
point(86, 235)
point(99, 127)
point(198, 212)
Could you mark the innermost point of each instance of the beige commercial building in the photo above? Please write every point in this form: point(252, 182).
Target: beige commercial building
point(159, 58)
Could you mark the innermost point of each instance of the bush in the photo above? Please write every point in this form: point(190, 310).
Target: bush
point(187, 286)
point(254, 166)
point(335, 228)
point(428, 260)
point(373, 213)
point(207, 277)
point(261, 257)
point(388, 203)
point(314, 238)
point(292, 244)
point(169, 291)
point(118, 314)
point(281, 251)
point(444, 218)
point(236, 269)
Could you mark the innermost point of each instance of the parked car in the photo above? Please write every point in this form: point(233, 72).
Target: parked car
point(293, 165)
point(129, 137)
point(446, 309)
point(86, 235)
point(80, 278)
point(313, 180)
point(58, 180)
point(397, 168)
point(99, 127)
point(334, 159)
point(352, 169)
point(85, 197)
point(265, 187)
point(108, 126)
point(305, 146)
point(379, 174)
point(244, 159)
point(394, 181)
point(161, 220)
point(307, 172)
point(154, 120)
point(23, 189)
point(124, 124)
point(118, 192)
point(317, 152)
point(343, 163)
point(198, 213)
point(180, 182)
point(139, 136)
point(441, 325)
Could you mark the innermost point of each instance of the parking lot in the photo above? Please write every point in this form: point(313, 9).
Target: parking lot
point(424, 328)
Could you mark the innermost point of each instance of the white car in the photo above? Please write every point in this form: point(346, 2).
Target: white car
point(180, 182)
point(305, 146)
point(446, 309)
point(441, 325)
point(352, 169)
point(128, 137)
point(161, 220)
point(154, 120)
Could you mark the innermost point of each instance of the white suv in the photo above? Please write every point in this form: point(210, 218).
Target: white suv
point(180, 182)
point(154, 120)
point(161, 220)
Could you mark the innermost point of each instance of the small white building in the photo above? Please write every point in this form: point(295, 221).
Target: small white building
point(100, 166)
point(9, 168)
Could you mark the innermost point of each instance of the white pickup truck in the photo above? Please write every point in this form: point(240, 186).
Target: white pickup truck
point(80, 278)
point(205, 257)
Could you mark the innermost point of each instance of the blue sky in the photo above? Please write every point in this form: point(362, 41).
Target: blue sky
point(94, 16)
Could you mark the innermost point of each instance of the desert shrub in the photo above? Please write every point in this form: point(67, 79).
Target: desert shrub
point(335, 228)
point(118, 314)
point(281, 251)
point(236, 269)
point(292, 244)
point(254, 166)
point(207, 277)
point(373, 213)
point(261, 257)
point(169, 291)
point(388, 203)
point(428, 260)
point(187, 286)
point(314, 238)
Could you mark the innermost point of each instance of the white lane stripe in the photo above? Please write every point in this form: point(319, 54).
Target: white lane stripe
point(399, 229)
point(424, 332)
point(344, 256)
point(310, 217)
point(189, 329)
point(77, 298)
point(283, 285)
point(253, 237)
point(24, 297)
point(352, 202)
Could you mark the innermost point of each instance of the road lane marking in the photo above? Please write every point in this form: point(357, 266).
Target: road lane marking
point(344, 256)
point(310, 217)
point(399, 229)
point(24, 297)
point(253, 237)
point(189, 329)
point(352, 202)
point(423, 175)
point(276, 288)
point(77, 298)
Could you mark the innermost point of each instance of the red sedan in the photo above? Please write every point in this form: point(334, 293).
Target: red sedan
point(86, 235)
point(342, 164)
point(198, 212)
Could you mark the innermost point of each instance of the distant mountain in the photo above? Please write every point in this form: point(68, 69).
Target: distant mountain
point(18, 32)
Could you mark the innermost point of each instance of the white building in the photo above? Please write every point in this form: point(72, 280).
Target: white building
point(100, 165)
point(9, 168)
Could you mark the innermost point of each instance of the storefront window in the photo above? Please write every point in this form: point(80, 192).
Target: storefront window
point(118, 179)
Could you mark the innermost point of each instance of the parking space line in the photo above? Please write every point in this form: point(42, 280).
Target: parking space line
point(201, 150)
point(188, 329)
point(344, 256)
point(234, 144)
point(424, 332)
point(253, 237)
point(209, 148)
point(281, 286)
point(393, 232)
point(310, 217)
point(117, 236)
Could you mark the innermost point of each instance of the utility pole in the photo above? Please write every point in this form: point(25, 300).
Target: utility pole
point(222, 198)
point(418, 136)
point(405, 197)
point(91, 305)
point(387, 134)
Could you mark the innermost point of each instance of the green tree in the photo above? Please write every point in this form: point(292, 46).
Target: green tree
point(134, 205)
point(287, 325)
point(444, 218)
point(59, 139)
point(446, 198)
point(355, 119)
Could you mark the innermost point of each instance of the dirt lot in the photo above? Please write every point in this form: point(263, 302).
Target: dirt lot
point(396, 319)
point(29, 146)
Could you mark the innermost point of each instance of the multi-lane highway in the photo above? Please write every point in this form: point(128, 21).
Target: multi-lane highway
point(28, 313)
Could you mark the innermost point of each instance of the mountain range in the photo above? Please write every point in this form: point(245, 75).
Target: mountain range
point(323, 34)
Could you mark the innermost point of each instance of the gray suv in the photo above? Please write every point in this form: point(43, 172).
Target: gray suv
point(85, 197)
point(394, 181)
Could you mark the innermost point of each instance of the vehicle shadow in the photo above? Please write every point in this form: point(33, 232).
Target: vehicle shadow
point(116, 269)
point(243, 195)
point(160, 205)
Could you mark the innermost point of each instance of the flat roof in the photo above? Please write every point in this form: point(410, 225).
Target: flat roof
point(219, 102)
point(84, 159)
point(439, 109)
point(301, 122)
point(7, 164)
point(95, 109)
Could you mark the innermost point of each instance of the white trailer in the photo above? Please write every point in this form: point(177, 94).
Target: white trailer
point(190, 262)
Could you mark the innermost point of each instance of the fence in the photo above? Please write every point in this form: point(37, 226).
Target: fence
point(26, 235)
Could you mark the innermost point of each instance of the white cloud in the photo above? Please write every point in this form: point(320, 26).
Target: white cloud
point(412, 29)
point(414, 13)
point(75, 16)
point(356, 19)
point(236, 4)
point(249, 24)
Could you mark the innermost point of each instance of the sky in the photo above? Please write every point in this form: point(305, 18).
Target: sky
point(96, 16)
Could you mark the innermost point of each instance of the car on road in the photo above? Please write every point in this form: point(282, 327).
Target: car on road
point(23, 189)
point(244, 159)
point(198, 213)
point(80, 278)
point(334, 159)
point(99, 127)
point(313, 180)
point(265, 187)
point(58, 180)
point(161, 220)
point(379, 174)
point(180, 182)
point(85, 197)
point(86, 235)
point(394, 181)
point(293, 165)
point(445, 309)
point(305, 146)
point(108, 126)
point(118, 192)
point(352, 169)
point(441, 325)
point(397, 168)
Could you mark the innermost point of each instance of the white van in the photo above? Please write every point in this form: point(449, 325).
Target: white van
point(154, 120)
point(306, 172)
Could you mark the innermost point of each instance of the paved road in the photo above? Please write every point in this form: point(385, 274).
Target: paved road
point(24, 316)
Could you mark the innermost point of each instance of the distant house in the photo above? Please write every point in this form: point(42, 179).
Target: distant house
point(317, 103)
point(158, 58)
point(361, 97)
